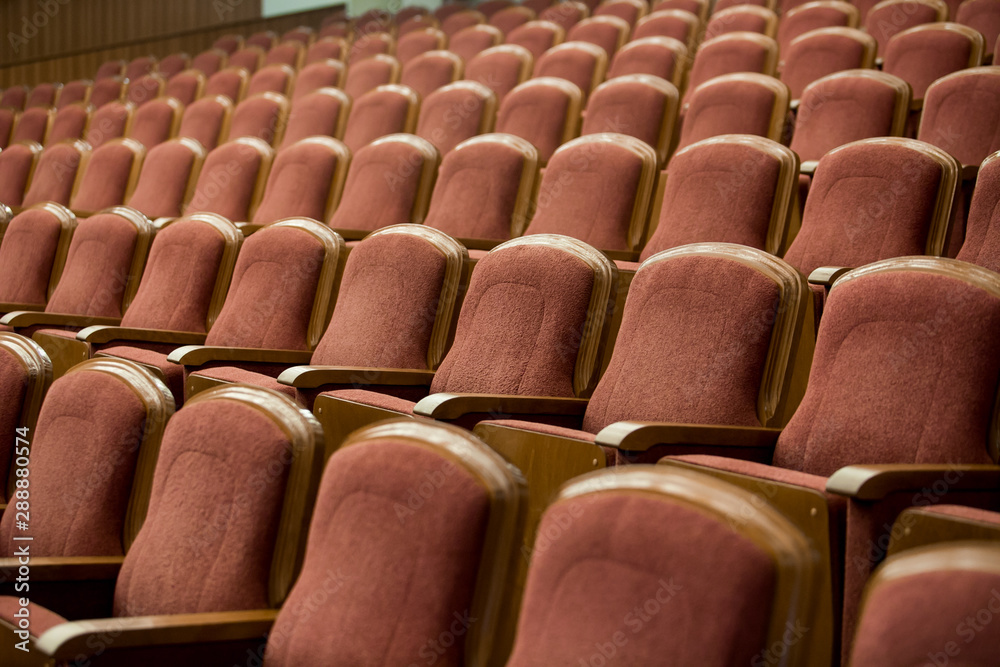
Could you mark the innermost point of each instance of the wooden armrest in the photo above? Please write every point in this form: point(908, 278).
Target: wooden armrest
point(808, 167)
point(249, 228)
point(23, 318)
point(311, 377)
point(970, 172)
point(81, 214)
point(105, 334)
point(353, 234)
point(825, 276)
point(622, 255)
point(641, 436)
point(793, 105)
point(73, 640)
point(160, 223)
point(72, 568)
point(453, 406)
point(196, 355)
point(874, 482)
point(479, 244)
point(916, 105)
point(6, 307)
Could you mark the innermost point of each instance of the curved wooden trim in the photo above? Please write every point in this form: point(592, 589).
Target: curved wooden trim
point(84, 150)
point(977, 43)
point(38, 369)
point(901, 90)
point(67, 223)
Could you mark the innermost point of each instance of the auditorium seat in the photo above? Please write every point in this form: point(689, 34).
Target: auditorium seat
point(207, 120)
point(110, 69)
point(664, 57)
point(186, 86)
point(327, 48)
point(527, 337)
point(231, 82)
point(107, 176)
point(930, 603)
point(456, 112)
point(272, 79)
point(237, 445)
point(109, 89)
point(231, 181)
point(500, 68)
point(263, 116)
point(101, 273)
point(731, 53)
point(73, 92)
point(822, 52)
point(925, 53)
point(919, 527)
point(812, 16)
point(377, 43)
point(140, 67)
point(32, 256)
point(156, 121)
point(265, 39)
point(43, 95)
point(608, 32)
point(367, 75)
point(973, 97)
point(33, 125)
point(305, 181)
point(698, 8)
point(475, 39)
point(460, 20)
point(537, 36)
point(581, 63)
point(628, 10)
point(984, 16)
point(17, 166)
point(484, 190)
point(870, 362)
point(249, 58)
point(320, 74)
point(323, 112)
point(654, 568)
point(167, 179)
point(982, 235)
point(180, 295)
point(431, 70)
point(638, 105)
point(379, 320)
point(290, 53)
point(24, 380)
point(108, 122)
point(740, 103)
point(674, 23)
point(102, 412)
point(69, 122)
point(566, 14)
point(890, 17)
point(742, 18)
point(419, 41)
point(728, 189)
point(543, 110)
point(511, 18)
point(750, 329)
point(389, 183)
point(385, 110)
point(173, 64)
point(55, 173)
point(211, 61)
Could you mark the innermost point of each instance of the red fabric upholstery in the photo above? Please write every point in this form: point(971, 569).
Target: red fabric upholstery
point(979, 14)
point(69, 123)
point(736, 21)
point(840, 109)
point(414, 43)
point(54, 175)
point(973, 97)
point(473, 40)
point(265, 39)
point(110, 68)
point(890, 20)
point(203, 121)
point(314, 114)
point(383, 111)
point(322, 74)
point(604, 33)
point(209, 62)
point(454, 113)
point(475, 195)
point(963, 512)
point(108, 123)
point(235, 374)
point(287, 53)
point(105, 179)
point(536, 111)
point(382, 186)
point(566, 14)
point(14, 97)
point(106, 90)
point(15, 168)
point(211, 455)
point(163, 181)
point(378, 43)
point(429, 71)
point(154, 356)
point(572, 64)
point(800, 20)
point(848, 220)
point(589, 191)
point(144, 89)
point(716, 192)
point(323, 49)
point(179, 278)
point(920, 58)
point(368, 74)
point(426, 565)
point(271, 79)
point(258, 116)
point(982, 233)
point(185, 87)
point(93, 280)
point(498, 69)
point(173, 65)
point(815, 55)
point(249, 58)
point(27, 255)
point(227, 181)
point(648, 56)
point(634, 107)
point(13, 385)
point(83, 456)
point(627, 11)
point(726, 56)
point(666, 24)
point(374, 399)
point(299, 183)
point(73, 92)
point(509, 19)
point(229, 82)
point(727, 106)
point(140, 67)
point(923, 397)
point(536, 36)
point(653, 597)
point(461, 20)
point(32, 125)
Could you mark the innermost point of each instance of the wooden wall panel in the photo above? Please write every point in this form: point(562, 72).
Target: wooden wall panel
point(82, 34)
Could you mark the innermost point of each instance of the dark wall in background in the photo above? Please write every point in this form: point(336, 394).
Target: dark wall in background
point(62, 40)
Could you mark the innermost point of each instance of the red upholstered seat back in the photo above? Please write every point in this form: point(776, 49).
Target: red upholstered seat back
point(106, 90)
point(972, 96)
point(922, 55)
point(323, 112)
point(813, 16)
point(320, 74)
point(42, 95)
point(231, 82)
point(542, 111)
point(140, 67)
point(675, 23)
point(32, 125)
point(741, 18)
point(607, 32)
point(109, 122)
point(173, 64)
point(366, 75)
point(983, 16)
point(302, 179)
point(982, 231)
point(733, 52)
point(326, 48)
point(155, 122)
point(271, 79)
point(369, 45)
point(228, 44)
point(429, 71)
point(144, 89)
point(265, 39)
point(69, 123)
point(537, 36)
point(640, 106)
point(206, 120)
point(628, 10)
point(25, 371)
point(510, 18)
point(228, 180)
point(55, 173)
point(186, 86)
point(820, 53)
point(742, 103)
point(249, 58)
point(905, 371)
point(891, 17)
point(656, 56)
point(164, 180)
point(500, 68)
point(473, 40)
point(578, 62)
point(385, 110)
point(106, 175)
point(73, 92)
point(456, 112)
point(412, 44)
point(262, 116)
point(286, 53)
point(461, 20)
point(566, 14)
point(16, 164)
point(28, 254)
point(109, 69)
point(209, 62)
